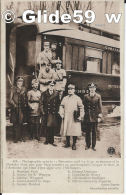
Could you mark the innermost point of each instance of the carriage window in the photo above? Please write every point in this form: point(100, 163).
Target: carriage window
point(93, 60)
point(93, 65)
point(115, 63)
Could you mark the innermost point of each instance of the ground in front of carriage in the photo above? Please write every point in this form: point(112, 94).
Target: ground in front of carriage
point(109, 134)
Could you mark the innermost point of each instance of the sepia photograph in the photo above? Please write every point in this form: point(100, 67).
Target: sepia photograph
point(63, 91)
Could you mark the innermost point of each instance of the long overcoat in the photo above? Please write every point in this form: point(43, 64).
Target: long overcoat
point(18, 103)
point(93, 107)
point(69, 105)
point(49, 107)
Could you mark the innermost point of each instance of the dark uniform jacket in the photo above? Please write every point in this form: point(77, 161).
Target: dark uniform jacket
point(18, 103)
point(92, 107)
point(49, 107)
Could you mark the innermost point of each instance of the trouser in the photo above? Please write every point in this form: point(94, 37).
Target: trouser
point(35, 131)
point(98, 133)
point(35, 127)
point(58, 127)
point(18, 132)
point(50, 135)
point(91, 130)
point(68, 140)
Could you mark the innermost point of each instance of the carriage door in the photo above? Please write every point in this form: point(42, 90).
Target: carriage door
point(25, 51)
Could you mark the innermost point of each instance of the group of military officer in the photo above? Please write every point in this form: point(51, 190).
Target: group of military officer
point(47, 107)
point(50, 67)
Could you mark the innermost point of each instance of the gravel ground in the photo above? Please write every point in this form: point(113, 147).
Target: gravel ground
point(110, 137)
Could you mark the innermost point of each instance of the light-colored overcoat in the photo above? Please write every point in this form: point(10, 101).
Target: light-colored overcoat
point(69, 126)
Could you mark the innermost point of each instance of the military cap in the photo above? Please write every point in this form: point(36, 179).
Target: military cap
point(46, 43)
point(58, 61)
point(52, 83)
point(35, 81)
point(71, 86)
point(20, 78)
point(91, 85)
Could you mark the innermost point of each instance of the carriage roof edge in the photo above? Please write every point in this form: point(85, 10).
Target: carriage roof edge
point(70, 32)
point(85, 36)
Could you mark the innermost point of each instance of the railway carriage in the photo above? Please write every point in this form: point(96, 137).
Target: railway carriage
point(86, 57)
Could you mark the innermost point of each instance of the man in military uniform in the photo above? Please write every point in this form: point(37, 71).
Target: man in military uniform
point(49, 107)
point(45, 77)
point(61, 95)
point(93, 113)
point(72, 112)
point(18, 103)
point(44, 56)
point(33, 103)
point(54, 54)
point(60, 75)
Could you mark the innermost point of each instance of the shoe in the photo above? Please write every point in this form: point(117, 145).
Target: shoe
point(15, 141)
point(23, 140)
point(93, 149)
point(46, 143)
point(73, 147)
point(67, 146)
point(87, 148)
point(54, 145)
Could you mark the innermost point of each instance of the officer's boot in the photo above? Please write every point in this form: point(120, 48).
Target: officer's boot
point(31, 131)
point(67, 142)
point(22, 133)
point(15, 134)
point(37, 132)
point(74, 142)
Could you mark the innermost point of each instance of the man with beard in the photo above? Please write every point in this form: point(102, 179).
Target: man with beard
point(33, 103)
point(93, 114)
point(18, 102)
point(45, 77)
point(49, 107)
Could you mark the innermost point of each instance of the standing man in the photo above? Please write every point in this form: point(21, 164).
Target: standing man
point(60, 75)
point(54, 54)
point(44, 56)
point(49, 110)
point(33, 103)
point(71, 112)
point(45, 77)
point(18, 102)
point(93, 113)
point(61, 95)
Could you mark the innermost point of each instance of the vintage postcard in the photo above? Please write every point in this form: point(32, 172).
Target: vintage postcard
point(62, 73)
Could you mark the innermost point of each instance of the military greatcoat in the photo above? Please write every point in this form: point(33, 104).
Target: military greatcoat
point(93, 107)
point(69, 105)
point(49, 107)
point(18, 103)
